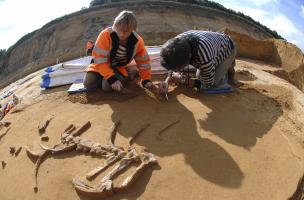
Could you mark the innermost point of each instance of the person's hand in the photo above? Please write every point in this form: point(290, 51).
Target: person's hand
point(176, 78)
point(117, 86)
point(149, 85)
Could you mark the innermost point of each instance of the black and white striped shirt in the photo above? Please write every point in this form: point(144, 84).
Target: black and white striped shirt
point(211, 49)
point(121, 55)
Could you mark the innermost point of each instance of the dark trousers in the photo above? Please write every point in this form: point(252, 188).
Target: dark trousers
point(93, 80)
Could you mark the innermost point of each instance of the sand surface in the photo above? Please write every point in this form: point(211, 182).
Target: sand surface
point(243, 145)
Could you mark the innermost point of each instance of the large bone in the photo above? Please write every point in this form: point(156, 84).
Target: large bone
point(105, 165)
point(106, 187)
point(147, 160)
point(101, 192)
point(112, 135)
point(138, 132)
point(58, 148)
point(131, 156)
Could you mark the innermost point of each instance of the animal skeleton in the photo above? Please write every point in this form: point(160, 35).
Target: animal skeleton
point(71, 140)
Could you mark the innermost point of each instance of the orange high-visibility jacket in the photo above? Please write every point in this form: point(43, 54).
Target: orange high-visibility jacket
point(105, 50)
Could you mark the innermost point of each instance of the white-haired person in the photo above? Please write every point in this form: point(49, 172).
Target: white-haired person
point(211, 53)
point(114, 48)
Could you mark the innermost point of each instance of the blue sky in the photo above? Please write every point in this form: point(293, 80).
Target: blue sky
point(286, 17)
point(19, 17)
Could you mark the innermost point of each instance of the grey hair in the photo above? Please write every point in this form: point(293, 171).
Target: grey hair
point(125, 18)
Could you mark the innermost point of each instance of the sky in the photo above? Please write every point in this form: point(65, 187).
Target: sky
point(19, 17)
point(284, 16)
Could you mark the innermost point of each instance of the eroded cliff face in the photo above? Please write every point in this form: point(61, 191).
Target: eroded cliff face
point(277, 52)
point(157, 22)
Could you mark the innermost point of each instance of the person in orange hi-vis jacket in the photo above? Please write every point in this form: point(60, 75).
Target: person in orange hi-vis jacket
point(89, 47)
point(114, 48)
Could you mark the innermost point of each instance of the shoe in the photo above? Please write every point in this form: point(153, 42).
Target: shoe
point(224, 88)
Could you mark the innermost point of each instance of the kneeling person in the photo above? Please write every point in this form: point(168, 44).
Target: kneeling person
point(114, 48)
point(211, 53)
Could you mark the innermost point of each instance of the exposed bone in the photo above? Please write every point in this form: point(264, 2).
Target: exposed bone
point(125, 162)
point(79, 147)
point(106, 187)
point(67, 132)
point(59, 148)
point(12, 150)
point(71, 141)
point(138, 132)
point(44, 124)
point(40, 160)
point(32, 154)
point(45, 138)
point(18, 151)
point(103, 191)
point(112, 134)
point(82, 129)
point(147, 160)
point(70, 130)
point(105, 165)
point(69, 127)
point(167, 127)
point(3, 164)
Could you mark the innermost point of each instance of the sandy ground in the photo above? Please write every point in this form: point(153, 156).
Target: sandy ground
point(244, 145)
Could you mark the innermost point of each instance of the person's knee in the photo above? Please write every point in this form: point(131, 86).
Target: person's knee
point(88, 84)
point(91, 80)
point(106, 87)
point(132, 73)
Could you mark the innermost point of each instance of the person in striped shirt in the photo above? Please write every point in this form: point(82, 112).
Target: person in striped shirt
point(211, 53)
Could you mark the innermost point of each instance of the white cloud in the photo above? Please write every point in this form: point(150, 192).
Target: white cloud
point(273, 19)
point(302, 11)
point(262, 2)
point(20, 17)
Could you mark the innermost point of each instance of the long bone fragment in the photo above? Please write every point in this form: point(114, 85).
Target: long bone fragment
point(131, 141)
point(112, 135)
point(110, 142)
point(105, 165)
point(89, 191)
point(131, 156)
point(147, 159)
